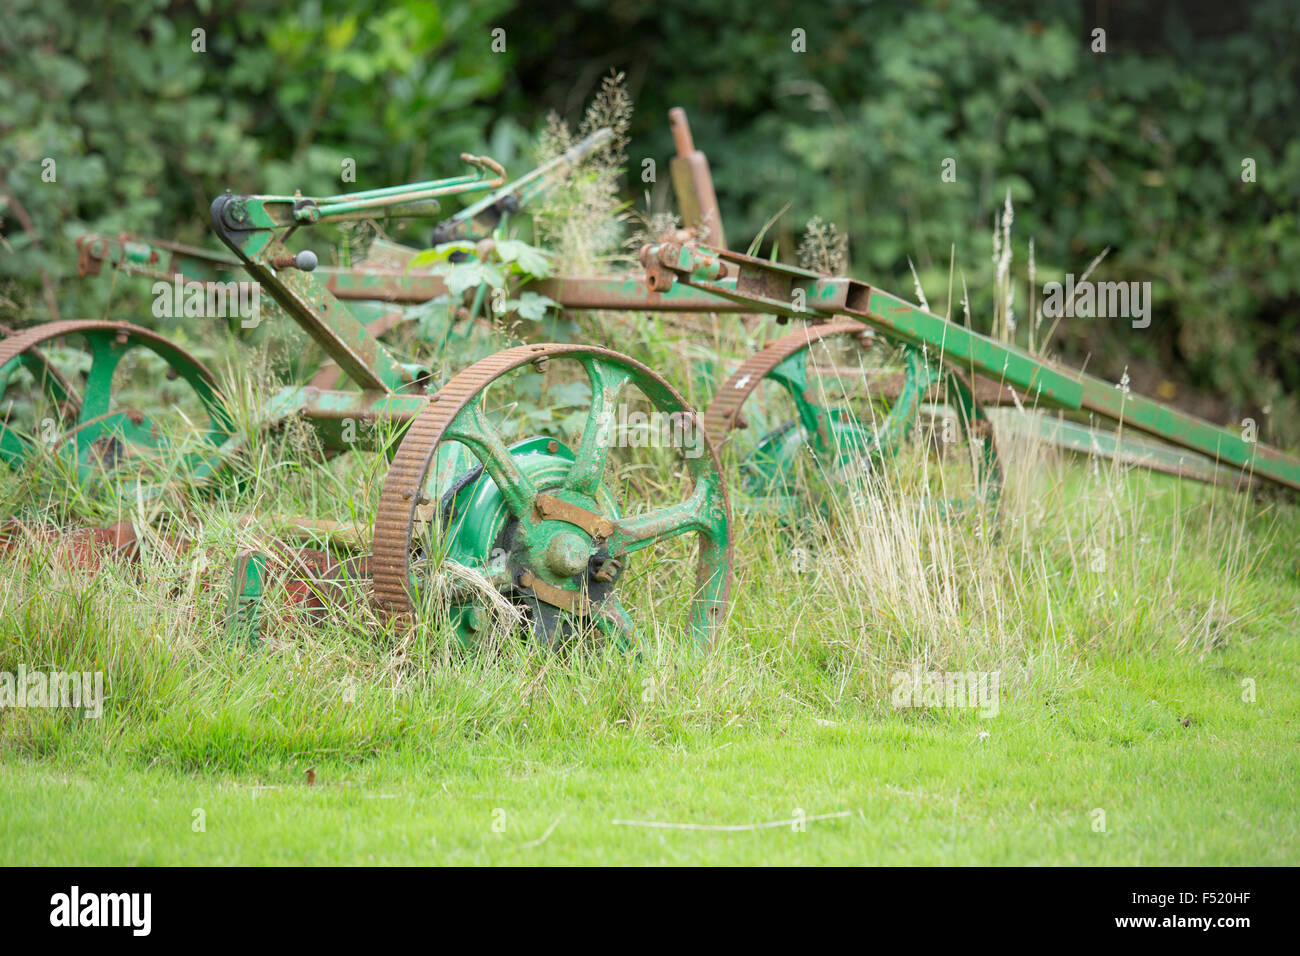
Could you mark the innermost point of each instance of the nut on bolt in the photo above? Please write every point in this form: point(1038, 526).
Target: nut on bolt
point(605, 570)
point(305, 260)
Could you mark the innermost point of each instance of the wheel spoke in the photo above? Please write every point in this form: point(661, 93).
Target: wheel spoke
point(640, 531)
point(105, 354)
point(612, 618)
point(471, 428)
point(607, 383)
point(46, 376)
point(903, 412)
point(792, 375)
point(15, 446)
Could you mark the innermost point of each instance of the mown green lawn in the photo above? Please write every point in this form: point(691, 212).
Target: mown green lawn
point(1185, 771)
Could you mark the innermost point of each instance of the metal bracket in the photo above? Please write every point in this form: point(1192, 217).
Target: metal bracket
point(573, 601)
point(551, 508)
point(248, 588)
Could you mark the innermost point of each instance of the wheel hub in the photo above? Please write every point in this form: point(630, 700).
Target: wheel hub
point(567, 554)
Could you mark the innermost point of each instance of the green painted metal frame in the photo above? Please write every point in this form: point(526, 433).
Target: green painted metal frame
point(247, 592)
point(799, 293)
point(1118, 446)
point(493, 211)
point(706, 286)
point(679, 277)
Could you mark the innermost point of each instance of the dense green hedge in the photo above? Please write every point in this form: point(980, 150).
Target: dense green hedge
point(145, 130)
point(1139, 148)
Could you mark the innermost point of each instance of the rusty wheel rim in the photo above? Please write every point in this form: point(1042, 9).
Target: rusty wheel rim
point(557, 528)
point(862, 443)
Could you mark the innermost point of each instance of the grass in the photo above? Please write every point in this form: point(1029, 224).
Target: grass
point(1145, 633)
point(1122, 611)
point(933, 791)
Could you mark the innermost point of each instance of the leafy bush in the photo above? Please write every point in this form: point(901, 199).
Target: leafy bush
point(1138, 149)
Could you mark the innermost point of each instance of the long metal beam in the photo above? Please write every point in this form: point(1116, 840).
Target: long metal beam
point(694, 278)
point(793, 292)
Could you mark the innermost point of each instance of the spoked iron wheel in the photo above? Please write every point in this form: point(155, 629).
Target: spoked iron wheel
point(855, 403)
point(74, 410)
point(536, 521)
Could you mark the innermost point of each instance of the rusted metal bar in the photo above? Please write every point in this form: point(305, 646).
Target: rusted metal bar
point(793, 292)
point(693, 184)
point(254, 228)
point(154, 258)
point(631, 294)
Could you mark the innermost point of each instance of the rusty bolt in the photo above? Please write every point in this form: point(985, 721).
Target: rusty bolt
point(305, 260)
point(605, 570)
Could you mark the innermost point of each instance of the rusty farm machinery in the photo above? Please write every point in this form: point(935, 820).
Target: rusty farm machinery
point(528, 517)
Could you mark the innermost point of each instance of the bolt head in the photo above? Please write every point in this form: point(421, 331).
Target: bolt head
point(567, 554)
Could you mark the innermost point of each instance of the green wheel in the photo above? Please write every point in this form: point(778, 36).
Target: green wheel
point(58, 383)
point(536, 521)
point(844, 402)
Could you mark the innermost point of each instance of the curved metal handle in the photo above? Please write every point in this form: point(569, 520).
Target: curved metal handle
point(486, 163)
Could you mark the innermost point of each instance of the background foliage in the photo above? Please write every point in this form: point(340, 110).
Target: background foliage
point(1138, 149)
